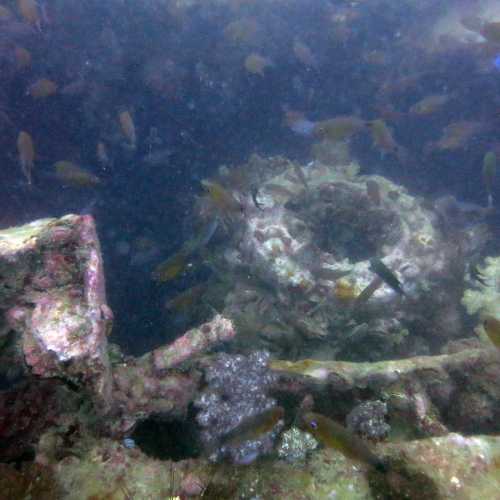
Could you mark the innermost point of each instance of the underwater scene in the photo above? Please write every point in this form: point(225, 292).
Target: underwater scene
point(249, 249)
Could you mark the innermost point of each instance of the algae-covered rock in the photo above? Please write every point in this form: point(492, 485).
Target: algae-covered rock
point(307, 246)
point(427, 394)
point(53, 294)
point(56, 324)
point(449, 467)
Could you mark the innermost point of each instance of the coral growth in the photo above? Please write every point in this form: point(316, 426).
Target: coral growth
point(295, 444)
point(484, 296)
point(238, 388)
point(307, 250)
point(56, 325)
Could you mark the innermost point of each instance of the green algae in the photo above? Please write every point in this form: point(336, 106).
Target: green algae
point(449, 467)
point(402, 482)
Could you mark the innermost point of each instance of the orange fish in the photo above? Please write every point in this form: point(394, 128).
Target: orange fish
point(5, 14)
point(456, 135)
point(429, 104)
point(171, 268)
point(299, 124)
point(30, 12)
point(128, 128)
point(23, 58)
point(304, 54)
point(222, 199)
point(383, 138)
point(335, 436)
point(256, 64)
point(102, 154)
point(339, 128)
point(185, 300)
point(26, 152)
point(242, 31)
point(42, 88)
point(73, 175)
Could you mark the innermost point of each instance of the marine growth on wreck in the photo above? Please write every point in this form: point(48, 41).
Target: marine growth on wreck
point(249, 250)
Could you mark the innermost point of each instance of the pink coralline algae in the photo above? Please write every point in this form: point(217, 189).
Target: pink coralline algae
point(57, 322)
point(155, 385)
point(56, 303)
point(56, 326)
point(140, 391)
point(193, 342)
